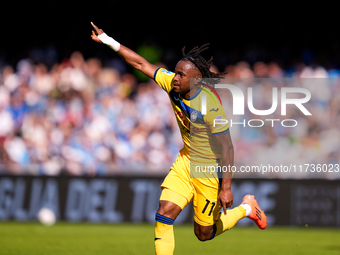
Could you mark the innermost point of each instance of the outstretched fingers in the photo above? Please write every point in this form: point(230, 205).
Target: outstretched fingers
point(97, 30)
point(95, 33)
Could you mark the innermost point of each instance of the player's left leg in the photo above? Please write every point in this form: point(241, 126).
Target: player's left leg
point(208, 226)
point(210, 221)
point(248, 208)
point(223, 222)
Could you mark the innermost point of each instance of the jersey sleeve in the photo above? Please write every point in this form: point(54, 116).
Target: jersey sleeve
point(164, 79)
point(216, 118)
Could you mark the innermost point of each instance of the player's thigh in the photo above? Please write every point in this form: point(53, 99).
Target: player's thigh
point(171, 203)
point(205, 202)
point(177, 186)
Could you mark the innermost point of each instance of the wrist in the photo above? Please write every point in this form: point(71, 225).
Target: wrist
point(109, 41)
point(226, 184)
point(225, 188)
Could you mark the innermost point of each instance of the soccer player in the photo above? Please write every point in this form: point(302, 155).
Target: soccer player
point(207, 143)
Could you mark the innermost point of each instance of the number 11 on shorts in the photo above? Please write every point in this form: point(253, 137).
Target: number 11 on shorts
point(206, 206)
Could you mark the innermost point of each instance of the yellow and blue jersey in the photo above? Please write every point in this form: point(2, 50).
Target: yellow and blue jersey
point(197, 130)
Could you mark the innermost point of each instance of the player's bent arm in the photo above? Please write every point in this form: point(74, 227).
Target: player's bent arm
point(227, 158)
point(129, 56)
point(225, 197)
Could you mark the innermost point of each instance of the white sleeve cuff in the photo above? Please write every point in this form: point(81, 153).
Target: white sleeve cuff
point(109, 41)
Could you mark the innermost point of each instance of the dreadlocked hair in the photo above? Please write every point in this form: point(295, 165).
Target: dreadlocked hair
point(202, 65)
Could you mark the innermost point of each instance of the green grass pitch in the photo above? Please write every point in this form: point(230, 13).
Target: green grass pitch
point(84, 238)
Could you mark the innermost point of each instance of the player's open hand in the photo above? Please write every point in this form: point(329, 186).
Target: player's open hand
point(95, 33)
point(225, 199)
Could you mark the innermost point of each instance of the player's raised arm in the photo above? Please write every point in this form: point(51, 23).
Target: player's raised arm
point(129, 56)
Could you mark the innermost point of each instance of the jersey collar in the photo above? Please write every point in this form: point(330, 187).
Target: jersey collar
point(192, 97)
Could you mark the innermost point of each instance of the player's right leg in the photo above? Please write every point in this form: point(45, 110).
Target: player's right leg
point(170, 205)
point(164, 233)
point(176, 194)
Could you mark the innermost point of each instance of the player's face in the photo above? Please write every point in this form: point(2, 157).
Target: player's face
point(185, 70)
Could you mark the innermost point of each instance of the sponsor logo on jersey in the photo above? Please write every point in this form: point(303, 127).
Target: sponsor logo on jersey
point(166, 72)
point(220, 121)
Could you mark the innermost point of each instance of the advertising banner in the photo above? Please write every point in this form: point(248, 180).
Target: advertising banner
point(135, 199)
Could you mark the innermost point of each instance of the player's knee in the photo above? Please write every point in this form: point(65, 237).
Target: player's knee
point(168, 209)
point(164, 208)
point(203, 234)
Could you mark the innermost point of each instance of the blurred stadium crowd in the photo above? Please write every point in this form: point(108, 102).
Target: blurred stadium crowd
point(81, 118)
